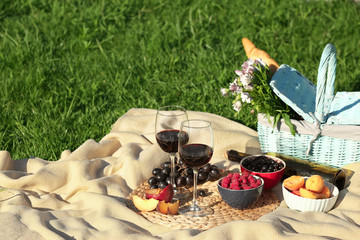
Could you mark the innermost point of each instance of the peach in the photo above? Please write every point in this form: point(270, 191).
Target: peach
point(165, 194)
point(315, 183)
point(294, 182)
point(168, 208)
point(305, 193)
point(145, 205)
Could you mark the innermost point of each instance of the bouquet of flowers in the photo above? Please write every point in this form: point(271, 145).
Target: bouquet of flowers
point(251, 87)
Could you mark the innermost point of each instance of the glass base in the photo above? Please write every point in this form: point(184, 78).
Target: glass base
point(197, 211)
point(181, 193)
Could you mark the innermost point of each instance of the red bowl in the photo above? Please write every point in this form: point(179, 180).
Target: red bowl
point(270, 178)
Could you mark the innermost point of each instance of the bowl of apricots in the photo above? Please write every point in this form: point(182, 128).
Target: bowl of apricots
point(309, 194)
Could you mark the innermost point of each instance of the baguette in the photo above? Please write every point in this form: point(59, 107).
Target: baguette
point(255, 53)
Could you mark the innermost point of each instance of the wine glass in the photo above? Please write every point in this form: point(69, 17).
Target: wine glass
point(196, 144)
point(167, 126)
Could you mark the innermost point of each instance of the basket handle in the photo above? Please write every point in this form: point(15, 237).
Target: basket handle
point(325, 82)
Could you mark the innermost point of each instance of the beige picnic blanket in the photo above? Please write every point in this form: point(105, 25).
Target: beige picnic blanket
point(83, 194)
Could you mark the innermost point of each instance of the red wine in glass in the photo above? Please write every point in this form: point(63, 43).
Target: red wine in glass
point(168, 140)
point(167, 125)
point(195, 151)
point(196, 155)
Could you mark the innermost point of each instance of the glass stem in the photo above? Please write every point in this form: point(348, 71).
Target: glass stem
point(195, 206)
point(172, 175)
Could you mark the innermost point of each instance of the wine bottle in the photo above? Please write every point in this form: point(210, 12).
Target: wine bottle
point(296, 166)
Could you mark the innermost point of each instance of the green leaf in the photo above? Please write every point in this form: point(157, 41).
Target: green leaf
point(289, 124)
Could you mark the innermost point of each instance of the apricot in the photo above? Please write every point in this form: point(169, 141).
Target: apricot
point(145, 205)
point(294, 182)
point(305, 193)
point(168, 208)
point(315, 183)
point(325, 193)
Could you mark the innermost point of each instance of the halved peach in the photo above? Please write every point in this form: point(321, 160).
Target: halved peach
point(145, 205)
point(168, 208)
point(294, 182)
point(165, 194)
point(315, 183)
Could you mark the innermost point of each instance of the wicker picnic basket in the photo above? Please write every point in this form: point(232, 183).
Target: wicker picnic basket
point(330, 131)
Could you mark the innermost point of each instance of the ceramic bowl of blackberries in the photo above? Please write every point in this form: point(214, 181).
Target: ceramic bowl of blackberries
point(240, 190)
point(269, 168)
point(184, 176)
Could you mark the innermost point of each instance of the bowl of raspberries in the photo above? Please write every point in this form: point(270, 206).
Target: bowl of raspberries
point(239, 190)
point(269, 168)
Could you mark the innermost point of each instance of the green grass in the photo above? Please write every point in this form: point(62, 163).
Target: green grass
point(70, 69)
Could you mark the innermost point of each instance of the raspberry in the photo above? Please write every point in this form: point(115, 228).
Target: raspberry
point(251, 179)
point(224, 185)
point(235, 181)
point(236, 188)
point(245, 174)
point(230, 175)
point(253, 185)
point(226, 180)
point(246, 187)
point(243, 180)
point(236, 176)
point(258, 182)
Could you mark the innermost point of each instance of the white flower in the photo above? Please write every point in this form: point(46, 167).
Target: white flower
point(245, 97)
point(246, 79)
point(237, 106)
point(238, 72)
point(249, 87)
point(235, 88)
point(224, 92)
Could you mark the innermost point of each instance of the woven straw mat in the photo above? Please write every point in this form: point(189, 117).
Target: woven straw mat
point(222, 213)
